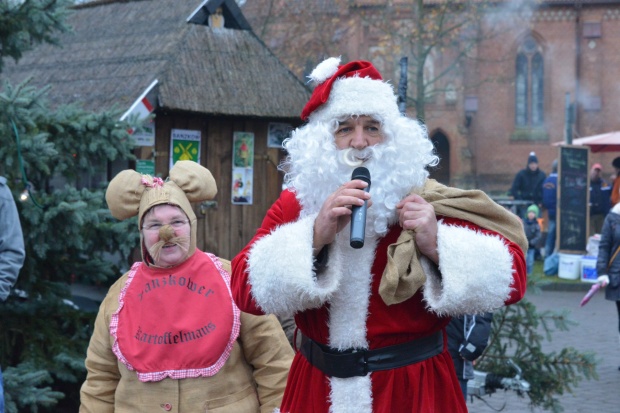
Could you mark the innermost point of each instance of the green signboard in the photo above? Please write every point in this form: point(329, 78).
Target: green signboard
point(145, 167)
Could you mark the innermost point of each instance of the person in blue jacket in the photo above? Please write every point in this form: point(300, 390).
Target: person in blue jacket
point(549, 202)
point(468, 337)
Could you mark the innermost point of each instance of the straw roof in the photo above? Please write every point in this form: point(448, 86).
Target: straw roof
point(118, 48)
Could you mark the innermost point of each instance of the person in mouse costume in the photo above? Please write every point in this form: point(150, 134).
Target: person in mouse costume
point(168, 336)
point(373, 318)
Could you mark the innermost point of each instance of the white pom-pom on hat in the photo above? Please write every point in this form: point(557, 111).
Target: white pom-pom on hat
point(326, 69)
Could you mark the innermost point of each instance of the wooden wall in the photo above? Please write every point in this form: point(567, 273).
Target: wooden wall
point(223, 228)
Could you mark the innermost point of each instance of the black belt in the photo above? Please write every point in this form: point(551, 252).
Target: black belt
point(351, 363)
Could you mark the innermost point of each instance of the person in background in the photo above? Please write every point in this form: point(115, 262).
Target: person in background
point(527, 185)
point(533, 234)
point(168, 336)
point(373, 318)
point(468, 337)
point(549, 202)
point(608, 260)
point(600, 198)
point(615, 189)
point(12, 251)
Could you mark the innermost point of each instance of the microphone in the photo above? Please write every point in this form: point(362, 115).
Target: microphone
point(358, 215)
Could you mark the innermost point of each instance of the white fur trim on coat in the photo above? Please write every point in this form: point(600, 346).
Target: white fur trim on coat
point(348, 309)
point(348, 313)
point(351, 395)
point(285, 283)
point(476, 272)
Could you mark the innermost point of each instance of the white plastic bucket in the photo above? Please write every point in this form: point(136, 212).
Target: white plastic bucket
point(588, 269)
point(569, 266)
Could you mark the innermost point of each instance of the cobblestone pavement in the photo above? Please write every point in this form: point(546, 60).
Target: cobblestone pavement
point(597, 331)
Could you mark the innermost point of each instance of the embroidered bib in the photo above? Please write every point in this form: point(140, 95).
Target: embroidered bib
point(176, 322)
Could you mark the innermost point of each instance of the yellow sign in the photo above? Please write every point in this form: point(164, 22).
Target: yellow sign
point(184, 146)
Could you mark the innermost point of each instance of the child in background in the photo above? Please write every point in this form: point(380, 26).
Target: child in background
point(533, 234)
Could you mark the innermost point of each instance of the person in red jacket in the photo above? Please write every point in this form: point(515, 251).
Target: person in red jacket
point(373, 319)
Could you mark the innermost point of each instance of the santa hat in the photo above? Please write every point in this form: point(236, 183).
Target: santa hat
point(131, 193)
point(355, 88)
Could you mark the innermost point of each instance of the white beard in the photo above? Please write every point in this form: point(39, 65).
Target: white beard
point(397, 166)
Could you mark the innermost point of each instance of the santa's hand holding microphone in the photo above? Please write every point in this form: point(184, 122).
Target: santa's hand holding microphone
point(414, 213)
point(335, 213)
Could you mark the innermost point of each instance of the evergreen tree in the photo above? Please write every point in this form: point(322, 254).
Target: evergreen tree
point(518, 333)
point(70, 236)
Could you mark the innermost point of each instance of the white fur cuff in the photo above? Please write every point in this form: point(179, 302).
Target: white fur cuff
point(283, 280)
point(476, 273)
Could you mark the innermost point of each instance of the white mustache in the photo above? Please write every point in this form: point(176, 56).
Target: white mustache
point(353, 157)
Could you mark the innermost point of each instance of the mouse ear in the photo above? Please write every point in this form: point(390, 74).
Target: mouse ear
point(195, 180)
point(124, 193)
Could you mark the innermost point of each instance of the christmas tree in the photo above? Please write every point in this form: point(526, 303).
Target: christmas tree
point(56, 159)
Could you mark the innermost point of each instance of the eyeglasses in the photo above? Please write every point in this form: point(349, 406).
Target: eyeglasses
point(156, 226)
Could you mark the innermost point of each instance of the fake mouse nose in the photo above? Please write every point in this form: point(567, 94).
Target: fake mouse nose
point(166, 233)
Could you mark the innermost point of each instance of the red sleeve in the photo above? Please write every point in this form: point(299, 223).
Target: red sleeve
point(285, 209)
point(519, 272)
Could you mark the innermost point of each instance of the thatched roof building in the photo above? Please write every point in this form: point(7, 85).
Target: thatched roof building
point(203, 73)
point(117, 49)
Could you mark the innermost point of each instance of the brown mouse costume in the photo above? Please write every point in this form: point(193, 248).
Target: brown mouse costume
point(172, 338)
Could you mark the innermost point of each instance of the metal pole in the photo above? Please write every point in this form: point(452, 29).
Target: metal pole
point(402, 86)
point(568, 121)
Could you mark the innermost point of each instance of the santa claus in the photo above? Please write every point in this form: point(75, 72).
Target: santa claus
point(373, 318)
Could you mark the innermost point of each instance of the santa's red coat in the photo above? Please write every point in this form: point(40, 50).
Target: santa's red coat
point(271, 281)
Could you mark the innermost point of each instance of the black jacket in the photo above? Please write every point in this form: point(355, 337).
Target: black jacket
point(527, 185)
point(468, 336)
point(532, 232)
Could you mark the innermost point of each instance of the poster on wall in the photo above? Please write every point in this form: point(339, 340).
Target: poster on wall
point(276, 133)
point(243, 168)
point(242, 182)
point(184, 146)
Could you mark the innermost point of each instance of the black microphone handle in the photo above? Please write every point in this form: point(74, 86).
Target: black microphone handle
point(358, 224)
point(358, 213)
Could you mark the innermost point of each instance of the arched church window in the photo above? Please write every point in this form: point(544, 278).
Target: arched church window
point(529, 84)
